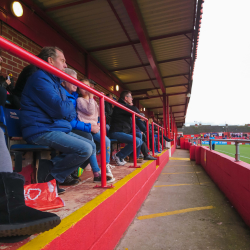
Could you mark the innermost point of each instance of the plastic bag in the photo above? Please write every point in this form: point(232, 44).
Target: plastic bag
point(42, 196)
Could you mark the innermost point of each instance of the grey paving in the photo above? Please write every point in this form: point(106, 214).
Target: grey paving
point(218, 228)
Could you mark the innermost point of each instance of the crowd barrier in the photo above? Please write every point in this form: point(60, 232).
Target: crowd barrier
point(27, 56)
point(232, 177)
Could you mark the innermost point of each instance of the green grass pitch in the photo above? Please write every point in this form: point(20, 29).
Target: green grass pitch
point(230, 150)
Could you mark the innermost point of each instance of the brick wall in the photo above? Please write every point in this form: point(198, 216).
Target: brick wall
point(14, 65)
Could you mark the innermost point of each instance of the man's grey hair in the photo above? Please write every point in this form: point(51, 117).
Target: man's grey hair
point(47, 52)
point(70, 72)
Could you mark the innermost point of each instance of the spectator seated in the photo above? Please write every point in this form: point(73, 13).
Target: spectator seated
point(10, 121)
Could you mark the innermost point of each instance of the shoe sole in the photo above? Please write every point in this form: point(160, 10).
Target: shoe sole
point(118, 164)
point(107, 181)
point(29, 228)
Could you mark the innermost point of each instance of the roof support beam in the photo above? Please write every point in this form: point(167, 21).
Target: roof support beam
point(147, 64)
point(59, 7)
point(128, 37)
point(137, 21)
point(151, 79)
point(143, 91)
point(169, 106)
point(138, 41)
point(157, 96)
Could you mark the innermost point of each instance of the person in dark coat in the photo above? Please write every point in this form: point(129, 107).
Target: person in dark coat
point(121, 128)
point(108, 110)
point(20, 84)
point(6, 85)
point(46, 113)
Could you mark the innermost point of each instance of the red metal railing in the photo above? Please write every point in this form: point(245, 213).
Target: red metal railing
point(27, 56)
point(158, 138)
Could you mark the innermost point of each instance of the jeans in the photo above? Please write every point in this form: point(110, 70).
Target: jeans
point(74, 148)
point(92, 159)
point(138, 135)
point(126, 138)
point(97, 137)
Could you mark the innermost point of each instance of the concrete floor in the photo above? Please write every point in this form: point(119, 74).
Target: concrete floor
point(217, 226)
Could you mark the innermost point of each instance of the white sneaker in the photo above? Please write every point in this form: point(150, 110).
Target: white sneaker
point(117, 160)
point(123, 161)
point(108, 170)
point(110, 166)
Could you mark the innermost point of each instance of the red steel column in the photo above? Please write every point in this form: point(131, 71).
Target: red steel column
point(171, 122)
point(103, 144)
point(134, 140)
point(158, 139)
point(153, 139)
point(162, 142)
point(164, 112)
point(147, 133)
point(168, 117)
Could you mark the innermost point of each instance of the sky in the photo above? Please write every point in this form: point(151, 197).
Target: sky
point(221, 83)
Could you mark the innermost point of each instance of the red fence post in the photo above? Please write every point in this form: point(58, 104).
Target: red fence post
point(134, 140)
point(103, 144)
point(158, 139)
point(153, 139)
point(162, 130)
point(147, 133)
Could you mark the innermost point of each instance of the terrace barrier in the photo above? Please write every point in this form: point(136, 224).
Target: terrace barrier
point(232, 177)
point(27, 56)
point(236, 142)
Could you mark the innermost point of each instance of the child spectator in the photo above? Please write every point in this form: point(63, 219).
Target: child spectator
point(88, 112)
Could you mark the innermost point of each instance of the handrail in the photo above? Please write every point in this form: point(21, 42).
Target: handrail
point(236, 141)
point(27, 56)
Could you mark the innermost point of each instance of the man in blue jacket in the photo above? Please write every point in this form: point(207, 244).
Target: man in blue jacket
point(46, 113)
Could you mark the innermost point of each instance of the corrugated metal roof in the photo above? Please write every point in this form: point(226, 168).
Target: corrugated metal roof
point(175, 80)
point(131, 74)
point(94, 25)
point(141, 53)
point(117, 57)
point(91, 24)
point(141, 85)
point(166, 16)
point(177, 99)
point(151, 74)
point(173, 90)
point(154, 92)
point(179, 108)
point(123, 15)
point(148, 103)
point(172, 68)
point(44, 4)
point(172, 47)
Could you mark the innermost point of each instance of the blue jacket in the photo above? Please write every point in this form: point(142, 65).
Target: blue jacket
point(45, 106)
point(86, 127)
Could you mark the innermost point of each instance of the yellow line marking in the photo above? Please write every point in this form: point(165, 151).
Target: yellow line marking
point(179, 166)
point(150, 216)
point(45, 238)
point(179, 159)
point(176, 185)
point(184, 173)
point(162, 152)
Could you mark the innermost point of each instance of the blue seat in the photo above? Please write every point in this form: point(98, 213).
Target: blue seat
point(10, 121)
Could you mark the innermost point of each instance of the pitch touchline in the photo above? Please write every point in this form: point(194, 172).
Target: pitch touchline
point(232, 154)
